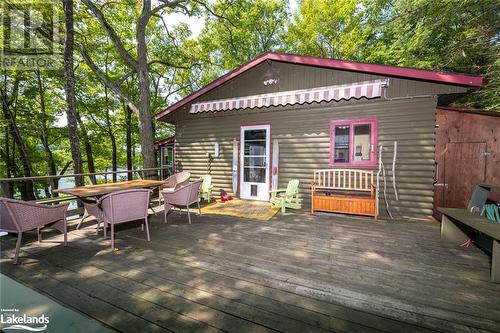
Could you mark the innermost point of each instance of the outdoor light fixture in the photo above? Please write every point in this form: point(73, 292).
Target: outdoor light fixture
point(269, 82)
point(216, 149)
point(271, 76)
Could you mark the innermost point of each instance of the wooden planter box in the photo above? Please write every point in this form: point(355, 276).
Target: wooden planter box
point(348, 204)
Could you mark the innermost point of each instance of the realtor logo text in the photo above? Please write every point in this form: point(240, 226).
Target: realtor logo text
point(14, 321)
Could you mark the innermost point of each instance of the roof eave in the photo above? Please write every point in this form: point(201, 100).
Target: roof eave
point(391, 71)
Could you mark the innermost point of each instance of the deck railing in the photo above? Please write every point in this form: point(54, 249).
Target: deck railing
point(54, 198)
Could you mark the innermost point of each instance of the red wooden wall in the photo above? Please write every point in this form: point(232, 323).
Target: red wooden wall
point(467, 152)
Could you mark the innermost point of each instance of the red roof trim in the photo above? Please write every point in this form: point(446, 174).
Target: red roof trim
point(164, 142)
point(403, 72)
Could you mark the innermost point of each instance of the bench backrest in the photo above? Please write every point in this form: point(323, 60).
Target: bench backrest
point(344, 179)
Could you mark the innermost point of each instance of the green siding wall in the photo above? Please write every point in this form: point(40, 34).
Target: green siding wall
point(303, 134)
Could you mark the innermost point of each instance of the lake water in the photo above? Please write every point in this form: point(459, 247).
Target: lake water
point(70, 182)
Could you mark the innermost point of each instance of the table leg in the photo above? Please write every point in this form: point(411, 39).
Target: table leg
point(151, 201)
point(495, 262)
point(85, 215)
point(451, 233)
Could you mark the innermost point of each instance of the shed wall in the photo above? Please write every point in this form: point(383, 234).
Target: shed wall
point(303, 134)
point(466, 128)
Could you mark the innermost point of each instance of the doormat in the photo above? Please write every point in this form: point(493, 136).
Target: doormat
point(258, 210)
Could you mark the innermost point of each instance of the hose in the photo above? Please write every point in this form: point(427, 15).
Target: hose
point(490, 211)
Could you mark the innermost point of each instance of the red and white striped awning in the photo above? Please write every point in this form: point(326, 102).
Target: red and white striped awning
point(368, 89)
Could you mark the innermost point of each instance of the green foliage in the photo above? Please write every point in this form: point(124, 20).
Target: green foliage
point(241, 30)
point(330, 29)
point(450, 35)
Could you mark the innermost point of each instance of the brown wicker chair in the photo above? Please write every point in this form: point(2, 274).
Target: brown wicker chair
point(20, 216)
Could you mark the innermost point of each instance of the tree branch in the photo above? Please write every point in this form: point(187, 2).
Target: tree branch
point(168, 64)
point(166, 4)
point(112, 34)
point(204, 5)
point(124, 78)
point(105, 79)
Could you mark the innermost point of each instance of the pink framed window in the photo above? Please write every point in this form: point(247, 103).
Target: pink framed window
point(353, 142)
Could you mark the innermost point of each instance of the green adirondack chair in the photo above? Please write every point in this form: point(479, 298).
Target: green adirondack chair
point(206, 188)
point(287, 198)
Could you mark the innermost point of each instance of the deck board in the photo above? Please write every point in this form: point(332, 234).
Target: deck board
point(315, 268)
point(295, 273)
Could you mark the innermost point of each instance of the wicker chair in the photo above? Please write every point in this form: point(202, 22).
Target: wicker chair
point(173, 182)
point(20, 216)
point(182, 197)
point(124, 206)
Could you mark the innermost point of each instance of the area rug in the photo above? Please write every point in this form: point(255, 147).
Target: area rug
point(258, 210)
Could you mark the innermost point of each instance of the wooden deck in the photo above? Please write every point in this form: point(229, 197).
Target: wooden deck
point(295, 273)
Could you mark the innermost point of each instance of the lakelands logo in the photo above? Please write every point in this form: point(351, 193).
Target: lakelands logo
point(10, 319)
point(31, 34)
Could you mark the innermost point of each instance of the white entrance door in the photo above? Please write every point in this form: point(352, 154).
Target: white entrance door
point(254, 161)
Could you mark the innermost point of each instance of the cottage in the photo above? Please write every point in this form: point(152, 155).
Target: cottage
point(321, 113)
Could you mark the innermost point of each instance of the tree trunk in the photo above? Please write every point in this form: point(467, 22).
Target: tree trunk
point(27, 188)
point(23, 186)
point(128, 125)
point(12, 165)
point(9, 167)
point(24, 157)
point(69, 80)
point(88, 148)
point(51, 165)
point(114, 160)
point(144, 105)
point(109, 128)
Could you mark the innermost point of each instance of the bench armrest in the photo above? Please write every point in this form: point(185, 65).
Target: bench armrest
point(278, 190)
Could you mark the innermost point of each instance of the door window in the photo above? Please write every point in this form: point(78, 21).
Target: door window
point(254, 160)
point(254, 164)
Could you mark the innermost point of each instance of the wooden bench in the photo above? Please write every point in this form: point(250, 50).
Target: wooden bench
point(459, 225)
point(348, 191)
